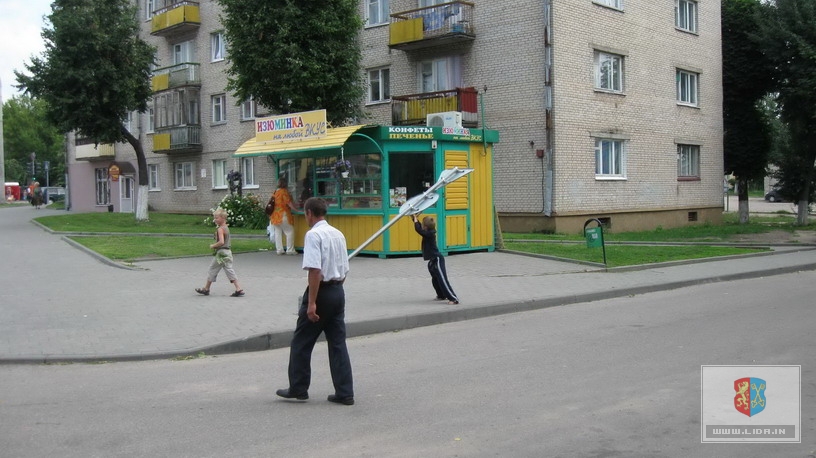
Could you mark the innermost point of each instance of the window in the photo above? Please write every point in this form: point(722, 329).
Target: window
point(219, 173)
point(102, 186)
point(151, 120)
point(685, 15)
point(149, 7)
point(248, 109)
point(219, 108)
point(129, 123)
point(424, 3)
point(379, 83)
point(184, 175)
point(440, 74)
point(608, 72)
point(218, 47)
point(176, 108)
point(688, 161)
point(377, 12)
point(687, 87)
point(610, 158)
point(618, 4)
point(182, 52)
point(153, 177)
point(248, 167)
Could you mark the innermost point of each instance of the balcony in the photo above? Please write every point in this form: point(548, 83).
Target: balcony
point(175, 17)
point(408, 110)
point(87, 150)
point(177, 139)
point(175, 76)
point(436, 25)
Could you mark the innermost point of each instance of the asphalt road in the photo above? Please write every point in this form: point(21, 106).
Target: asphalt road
point(613, 378)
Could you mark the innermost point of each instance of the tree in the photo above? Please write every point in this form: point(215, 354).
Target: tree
point(746, 80)
point(788, 31)
point(27, 130)
point(295, 56)
point(93, 72)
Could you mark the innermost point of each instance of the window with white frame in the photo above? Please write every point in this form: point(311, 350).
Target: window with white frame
point(608, 71)
point(377, 12)
point(610, 158)
point(219, 173)
point(379, 85)
point(130, 122)
point(440, 74)
point(687, 84)
point(149, 6)
point(218, 47)
point(151, 120)
point(184, 175)
point(219, 108)
point(617, 4)
point(688, 161)
point(248, 109)
point(183, 52)
point(685, 15)
point(102, 186)
point(153, 177)
point(248, 167)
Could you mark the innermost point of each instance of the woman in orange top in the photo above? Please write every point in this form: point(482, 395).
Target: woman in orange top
point(281, 219)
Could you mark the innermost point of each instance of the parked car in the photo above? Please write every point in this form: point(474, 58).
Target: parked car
point(774, 196)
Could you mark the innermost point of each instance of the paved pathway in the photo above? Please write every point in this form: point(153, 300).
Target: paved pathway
point(60, 303)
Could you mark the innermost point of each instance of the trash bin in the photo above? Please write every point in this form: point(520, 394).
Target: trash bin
point(110, 208)
point(594, 237)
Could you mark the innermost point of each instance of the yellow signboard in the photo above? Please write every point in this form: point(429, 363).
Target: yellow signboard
point(292, 127)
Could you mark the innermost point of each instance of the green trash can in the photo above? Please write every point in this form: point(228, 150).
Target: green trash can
point(594, 237)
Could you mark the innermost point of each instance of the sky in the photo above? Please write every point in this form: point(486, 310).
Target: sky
point(21, 22)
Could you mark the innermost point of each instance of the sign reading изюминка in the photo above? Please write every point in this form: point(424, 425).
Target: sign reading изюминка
point(307, 125)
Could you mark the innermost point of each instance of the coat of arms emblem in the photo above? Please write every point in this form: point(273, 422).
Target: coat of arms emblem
point(750, 397)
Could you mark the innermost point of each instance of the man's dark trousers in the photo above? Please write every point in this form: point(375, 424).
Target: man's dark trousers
point(331, 306)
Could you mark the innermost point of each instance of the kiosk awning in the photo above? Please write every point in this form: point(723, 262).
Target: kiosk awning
point(334, 140)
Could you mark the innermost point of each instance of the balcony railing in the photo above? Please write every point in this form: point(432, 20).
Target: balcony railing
point(177, 139)
point(413, 109)
point(176, 76)
point(432, 26)
point(86, 150)
point(175, 17)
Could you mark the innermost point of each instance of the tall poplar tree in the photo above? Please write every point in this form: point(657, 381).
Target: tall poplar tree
point(93, 72)
point(293, 56)
point(788, 31)
point(746, 80)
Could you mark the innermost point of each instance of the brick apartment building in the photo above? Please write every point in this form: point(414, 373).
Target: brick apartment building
point(608, 109)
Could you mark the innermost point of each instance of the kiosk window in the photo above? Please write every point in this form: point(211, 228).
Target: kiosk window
point(412, 171)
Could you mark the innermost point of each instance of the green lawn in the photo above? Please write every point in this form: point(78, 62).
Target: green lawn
point(128, 248)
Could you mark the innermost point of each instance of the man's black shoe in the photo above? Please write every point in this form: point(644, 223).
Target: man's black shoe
point(345, 401)
point(289, 395)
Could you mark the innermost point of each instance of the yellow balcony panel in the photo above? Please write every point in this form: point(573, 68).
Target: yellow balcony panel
point(177, 18)
point(89, 152)
point(405, 31)
point(160, 82)
point(161, 142)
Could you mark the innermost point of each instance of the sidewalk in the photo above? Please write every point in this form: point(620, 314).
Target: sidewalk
point(61, 304)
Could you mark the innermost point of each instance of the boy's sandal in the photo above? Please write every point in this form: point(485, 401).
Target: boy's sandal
point(453, 302)
point(203, 291)
point(238, 293)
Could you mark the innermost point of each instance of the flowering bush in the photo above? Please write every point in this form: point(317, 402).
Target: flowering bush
point(242, 211)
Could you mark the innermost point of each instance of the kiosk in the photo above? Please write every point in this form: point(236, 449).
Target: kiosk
point(366, 173)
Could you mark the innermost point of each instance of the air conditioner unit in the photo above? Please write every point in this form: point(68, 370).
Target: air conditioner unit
point(444, 119)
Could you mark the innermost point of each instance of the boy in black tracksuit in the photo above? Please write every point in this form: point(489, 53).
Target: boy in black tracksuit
point(436, 262)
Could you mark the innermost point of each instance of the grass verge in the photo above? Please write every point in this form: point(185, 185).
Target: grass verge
point(130, 248)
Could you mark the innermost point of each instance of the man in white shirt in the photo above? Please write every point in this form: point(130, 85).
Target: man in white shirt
point(322, 309)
